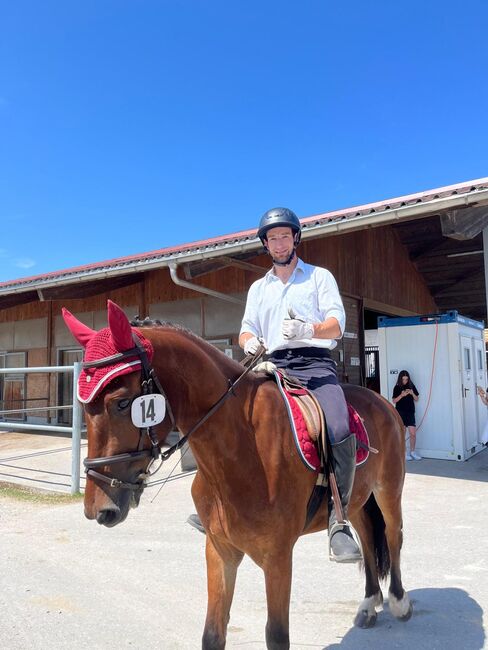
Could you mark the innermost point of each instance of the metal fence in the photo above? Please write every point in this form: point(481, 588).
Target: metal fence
point(74, 430)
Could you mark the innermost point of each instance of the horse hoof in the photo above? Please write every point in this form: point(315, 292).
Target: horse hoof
point(364, 619)
point(408, 615)
point(400, 608)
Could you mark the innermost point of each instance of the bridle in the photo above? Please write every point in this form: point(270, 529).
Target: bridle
point(150, 384)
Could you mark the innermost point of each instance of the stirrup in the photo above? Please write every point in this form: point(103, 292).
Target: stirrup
point(348, 557)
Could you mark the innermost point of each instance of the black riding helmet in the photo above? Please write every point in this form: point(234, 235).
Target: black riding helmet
point(277, 217)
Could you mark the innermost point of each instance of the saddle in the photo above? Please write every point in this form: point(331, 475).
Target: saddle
point(307, 418)
point(309, 429)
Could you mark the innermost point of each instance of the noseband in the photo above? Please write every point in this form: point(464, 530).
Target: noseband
point(149, 383)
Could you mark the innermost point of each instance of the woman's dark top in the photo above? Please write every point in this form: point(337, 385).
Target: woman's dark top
point(405, 406)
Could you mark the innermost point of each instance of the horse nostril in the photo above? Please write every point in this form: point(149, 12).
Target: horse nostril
point(109, 516)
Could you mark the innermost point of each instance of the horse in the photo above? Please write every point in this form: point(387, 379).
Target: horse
point(251, 489)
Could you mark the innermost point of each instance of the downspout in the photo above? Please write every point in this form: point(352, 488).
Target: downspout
point(173, 270)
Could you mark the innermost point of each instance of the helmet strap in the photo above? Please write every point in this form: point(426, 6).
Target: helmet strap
point(286, 262)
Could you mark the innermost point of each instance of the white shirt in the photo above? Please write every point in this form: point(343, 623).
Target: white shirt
point(311, 292)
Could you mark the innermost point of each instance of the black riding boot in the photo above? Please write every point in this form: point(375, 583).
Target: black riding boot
point(194, 520)
point(343, 546)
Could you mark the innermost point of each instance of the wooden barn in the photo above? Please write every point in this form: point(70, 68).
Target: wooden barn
point(416, 254)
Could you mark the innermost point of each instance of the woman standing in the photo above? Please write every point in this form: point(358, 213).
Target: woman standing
point(405, 394)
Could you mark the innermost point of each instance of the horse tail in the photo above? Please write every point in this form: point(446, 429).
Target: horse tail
point(381, 552)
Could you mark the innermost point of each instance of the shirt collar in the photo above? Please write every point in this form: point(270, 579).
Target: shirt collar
point(270, 276)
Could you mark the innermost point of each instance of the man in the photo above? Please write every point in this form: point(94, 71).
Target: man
point(297, 312)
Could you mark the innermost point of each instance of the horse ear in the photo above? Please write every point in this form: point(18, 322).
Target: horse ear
point(119, 327)
point(80, 331)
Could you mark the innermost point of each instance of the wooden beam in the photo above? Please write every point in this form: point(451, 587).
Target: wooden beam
point(194, 270)
point(459, 282)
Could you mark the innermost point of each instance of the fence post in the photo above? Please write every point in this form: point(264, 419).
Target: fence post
point(76, 432)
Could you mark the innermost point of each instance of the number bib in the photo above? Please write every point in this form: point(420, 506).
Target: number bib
point(148, 410)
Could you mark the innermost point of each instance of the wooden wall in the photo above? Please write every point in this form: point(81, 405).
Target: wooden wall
point(372, 264)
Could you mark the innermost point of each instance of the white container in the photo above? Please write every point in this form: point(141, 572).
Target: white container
point(445, 357)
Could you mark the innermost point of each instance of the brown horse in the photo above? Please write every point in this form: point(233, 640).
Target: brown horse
point(251, 489)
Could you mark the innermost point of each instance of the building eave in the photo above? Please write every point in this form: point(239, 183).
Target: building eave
point(414, 206)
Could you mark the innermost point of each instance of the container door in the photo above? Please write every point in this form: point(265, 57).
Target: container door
point(480, 381)
point(468, 388)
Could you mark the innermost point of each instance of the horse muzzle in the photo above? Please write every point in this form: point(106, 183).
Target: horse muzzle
point(111, 515)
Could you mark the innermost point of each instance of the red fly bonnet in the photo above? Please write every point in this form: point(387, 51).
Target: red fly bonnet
point(110, 341)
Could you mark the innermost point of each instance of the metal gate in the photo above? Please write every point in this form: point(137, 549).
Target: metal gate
point(74, 408)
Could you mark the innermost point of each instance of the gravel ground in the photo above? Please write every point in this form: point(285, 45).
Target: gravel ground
point(67, 582)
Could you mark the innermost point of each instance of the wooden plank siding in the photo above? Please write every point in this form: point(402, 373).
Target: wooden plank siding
point(372, 264)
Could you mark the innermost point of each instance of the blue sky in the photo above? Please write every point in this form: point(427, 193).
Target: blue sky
point(127, 126)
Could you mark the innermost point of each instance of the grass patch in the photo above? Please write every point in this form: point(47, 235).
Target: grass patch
point(20, 493)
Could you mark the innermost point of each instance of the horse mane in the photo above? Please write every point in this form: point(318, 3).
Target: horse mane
point(156, 323)
point(228, 365)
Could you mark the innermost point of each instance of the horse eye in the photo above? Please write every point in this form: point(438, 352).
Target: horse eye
point(123, 404)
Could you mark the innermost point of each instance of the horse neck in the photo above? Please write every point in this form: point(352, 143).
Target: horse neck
point(193, 375)
point(226, 445)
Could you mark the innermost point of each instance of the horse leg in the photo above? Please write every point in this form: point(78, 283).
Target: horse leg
point(222, 563)
point(373, 598)
point(398, 600)
point(277, 572)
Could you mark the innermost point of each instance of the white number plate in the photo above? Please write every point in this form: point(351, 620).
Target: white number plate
point(148, 410)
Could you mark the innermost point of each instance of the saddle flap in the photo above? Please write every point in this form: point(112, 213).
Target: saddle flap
point(307, 403)
point(311, 414)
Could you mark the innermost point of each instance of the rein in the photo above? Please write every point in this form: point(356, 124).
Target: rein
point(230, 391)
point(149, 378)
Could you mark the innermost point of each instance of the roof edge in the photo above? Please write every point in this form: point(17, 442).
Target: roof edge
point(374, 214)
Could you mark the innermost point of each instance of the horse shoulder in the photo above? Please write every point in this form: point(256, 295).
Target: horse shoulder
point(267, 403)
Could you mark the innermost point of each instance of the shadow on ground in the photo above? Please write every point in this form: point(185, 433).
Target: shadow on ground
point(474, 469)
point(444, 619)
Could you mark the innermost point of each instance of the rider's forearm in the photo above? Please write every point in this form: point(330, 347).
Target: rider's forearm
point(327, 329)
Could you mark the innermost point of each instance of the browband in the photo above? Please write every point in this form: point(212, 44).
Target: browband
point(107, 361)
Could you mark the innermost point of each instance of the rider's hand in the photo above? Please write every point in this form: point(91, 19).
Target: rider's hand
point(252, 345)
point(295, 328)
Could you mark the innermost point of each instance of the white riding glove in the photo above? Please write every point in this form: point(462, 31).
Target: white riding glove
point(252, 345)
point(295, 328)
